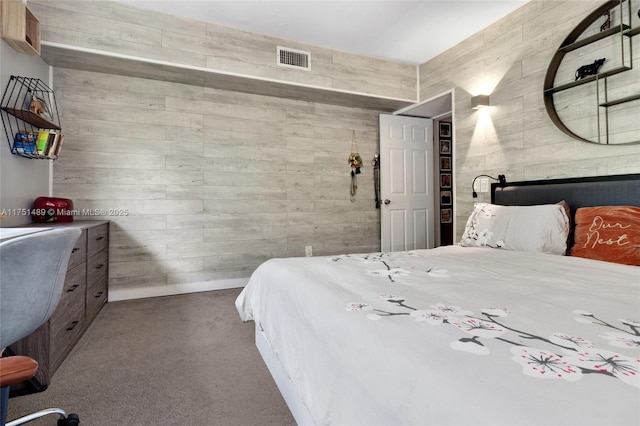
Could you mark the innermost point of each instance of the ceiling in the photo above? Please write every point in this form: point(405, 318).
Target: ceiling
point(403, 31)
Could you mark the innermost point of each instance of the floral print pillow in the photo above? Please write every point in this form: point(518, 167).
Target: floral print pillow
point(541, 228)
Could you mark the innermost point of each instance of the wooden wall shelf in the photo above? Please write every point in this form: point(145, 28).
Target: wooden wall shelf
point(620, 101)
point(595, 37)
point(586, 80)
point(74, 57)
point(31, 118)
point(573, 42)
point(20, 28)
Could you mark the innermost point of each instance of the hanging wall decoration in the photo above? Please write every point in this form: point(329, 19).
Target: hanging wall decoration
point(355, 161)
point(375, 162)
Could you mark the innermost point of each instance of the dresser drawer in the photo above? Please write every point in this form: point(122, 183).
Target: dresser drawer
point(97, 239)
point(79, 252)
point(84, 293)
point(74, 289)
point(65, 330)
point(97, 266)
point(97, 295)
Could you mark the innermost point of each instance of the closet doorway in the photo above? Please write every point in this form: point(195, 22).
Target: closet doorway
point(439, 109)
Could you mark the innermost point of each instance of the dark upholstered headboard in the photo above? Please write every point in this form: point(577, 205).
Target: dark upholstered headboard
point(615, 190)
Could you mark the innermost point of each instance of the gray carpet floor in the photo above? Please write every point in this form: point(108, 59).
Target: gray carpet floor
point(176, 360)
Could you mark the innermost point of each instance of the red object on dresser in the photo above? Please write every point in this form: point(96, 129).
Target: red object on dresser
point(52, 210)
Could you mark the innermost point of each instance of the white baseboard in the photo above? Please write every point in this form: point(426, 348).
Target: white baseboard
point(173, 289)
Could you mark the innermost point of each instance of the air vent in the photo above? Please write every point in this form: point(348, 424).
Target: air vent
point(293, 58)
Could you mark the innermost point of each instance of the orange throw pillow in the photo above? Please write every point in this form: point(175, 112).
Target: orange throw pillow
point(609, 233)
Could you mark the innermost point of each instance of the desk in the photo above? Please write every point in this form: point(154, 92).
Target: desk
point(8, 233)
point(85, 293)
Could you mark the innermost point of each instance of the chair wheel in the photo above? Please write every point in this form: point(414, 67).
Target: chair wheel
point(71, 420)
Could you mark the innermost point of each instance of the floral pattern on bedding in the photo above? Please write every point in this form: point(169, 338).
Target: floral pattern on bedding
point(390, 272)
point(491, 328)
point(541, 228)
point(567, 357)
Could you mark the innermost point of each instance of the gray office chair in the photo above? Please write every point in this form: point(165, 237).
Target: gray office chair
point(32, 274)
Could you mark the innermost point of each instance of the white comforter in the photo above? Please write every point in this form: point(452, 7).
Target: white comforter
point(454, 336)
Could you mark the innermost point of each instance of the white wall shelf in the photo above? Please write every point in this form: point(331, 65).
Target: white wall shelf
point(74, 57)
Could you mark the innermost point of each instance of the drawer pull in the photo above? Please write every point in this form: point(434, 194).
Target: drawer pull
point(100, 266)
point(73, 325)
point(75, 249)
point(99, 238)
point(73, 287)
point(98, 294)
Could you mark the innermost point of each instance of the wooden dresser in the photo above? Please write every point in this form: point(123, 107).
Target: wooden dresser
point(85, 292)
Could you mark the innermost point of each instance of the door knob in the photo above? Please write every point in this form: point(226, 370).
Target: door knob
point(387, 201)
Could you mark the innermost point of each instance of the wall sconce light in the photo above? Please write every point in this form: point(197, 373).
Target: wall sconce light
point(501, 178)
point(479, 101)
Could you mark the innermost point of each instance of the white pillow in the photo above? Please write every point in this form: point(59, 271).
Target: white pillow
point(542, 228)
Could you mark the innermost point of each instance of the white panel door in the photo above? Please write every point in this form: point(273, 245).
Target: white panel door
point(406, 183)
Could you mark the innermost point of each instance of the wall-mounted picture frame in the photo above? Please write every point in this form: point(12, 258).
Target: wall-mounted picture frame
point(445, 198)
point(445, 146)
point(445, 129)
point(445, 180)
point(445, 163)
point(446, 216)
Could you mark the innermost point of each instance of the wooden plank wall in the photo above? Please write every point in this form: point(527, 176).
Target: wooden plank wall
point(515, 137)
point(123, 29)
point(214, 182)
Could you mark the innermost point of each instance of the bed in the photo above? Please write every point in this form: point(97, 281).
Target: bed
point(494, 331)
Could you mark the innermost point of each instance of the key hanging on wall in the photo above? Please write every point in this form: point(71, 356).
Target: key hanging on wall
point(355, 161)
